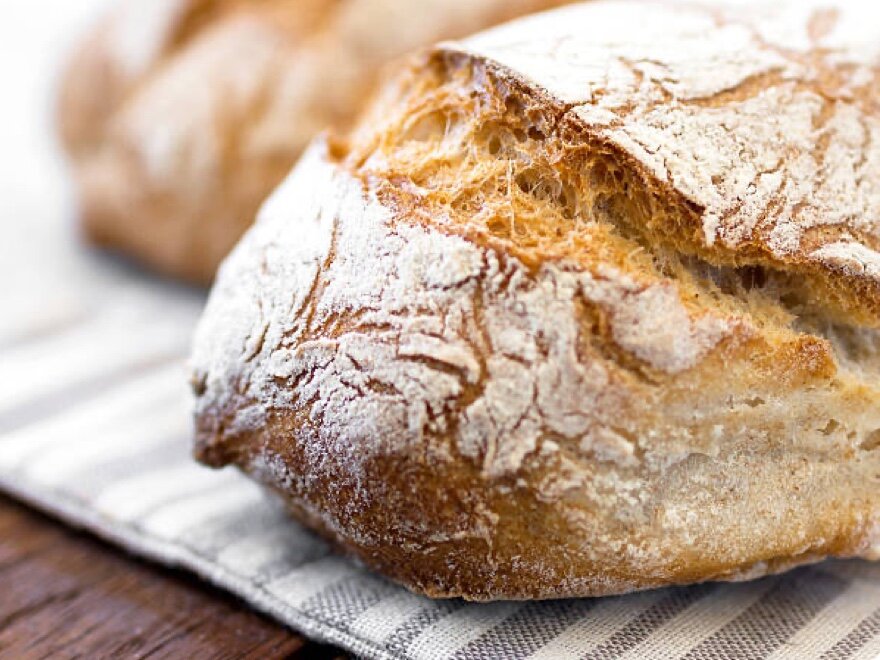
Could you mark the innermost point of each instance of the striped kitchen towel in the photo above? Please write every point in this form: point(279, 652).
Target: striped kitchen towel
point(95, 428)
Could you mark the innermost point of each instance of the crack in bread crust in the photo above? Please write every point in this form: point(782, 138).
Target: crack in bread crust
point(465, 359)
point(767, 126)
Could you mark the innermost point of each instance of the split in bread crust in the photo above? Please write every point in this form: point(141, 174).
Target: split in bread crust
point(548, 324)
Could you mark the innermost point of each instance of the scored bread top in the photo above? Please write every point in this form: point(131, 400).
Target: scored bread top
point(764, 120)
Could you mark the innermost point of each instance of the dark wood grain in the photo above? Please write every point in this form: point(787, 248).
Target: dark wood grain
point(65, 594)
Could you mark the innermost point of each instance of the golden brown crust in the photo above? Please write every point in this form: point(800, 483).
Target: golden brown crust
point(182, 115)
point(696, 130)
point(480, 347)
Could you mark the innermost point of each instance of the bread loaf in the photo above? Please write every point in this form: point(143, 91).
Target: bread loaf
point(584, 305)
point(181, 116)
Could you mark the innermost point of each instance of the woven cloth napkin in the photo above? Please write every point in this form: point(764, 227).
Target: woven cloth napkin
point(95, 428)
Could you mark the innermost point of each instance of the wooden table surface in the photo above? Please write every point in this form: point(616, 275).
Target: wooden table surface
point(66, 594)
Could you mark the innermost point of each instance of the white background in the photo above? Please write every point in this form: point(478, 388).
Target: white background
point(35, 38)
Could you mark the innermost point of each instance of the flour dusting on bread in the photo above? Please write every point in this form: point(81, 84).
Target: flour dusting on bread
point(583, 306)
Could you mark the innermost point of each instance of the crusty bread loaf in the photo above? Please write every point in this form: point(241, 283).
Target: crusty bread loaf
point(181, 116)
point(584, 305)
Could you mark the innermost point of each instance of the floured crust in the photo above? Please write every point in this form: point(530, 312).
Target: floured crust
point(765, 121)
point(459, 347)
point(181, 116)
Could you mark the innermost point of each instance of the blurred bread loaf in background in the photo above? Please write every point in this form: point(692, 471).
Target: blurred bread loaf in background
point(180, 116)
